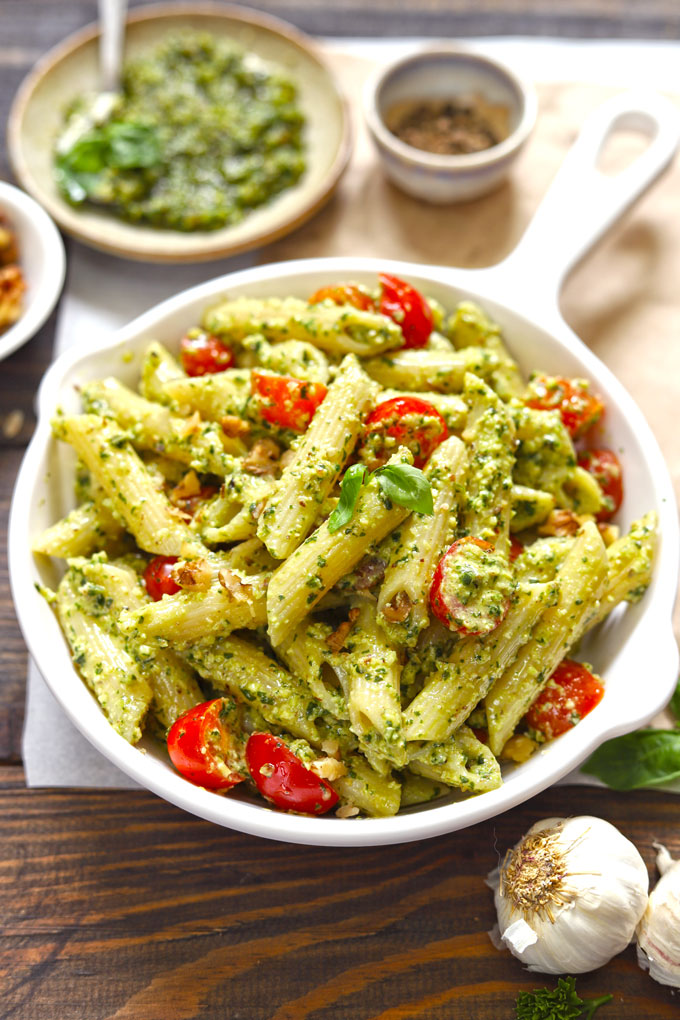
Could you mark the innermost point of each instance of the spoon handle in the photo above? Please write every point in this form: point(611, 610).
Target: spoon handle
point(112, 34)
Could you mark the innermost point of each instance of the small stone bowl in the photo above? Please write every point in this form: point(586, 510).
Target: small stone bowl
point(448, 72)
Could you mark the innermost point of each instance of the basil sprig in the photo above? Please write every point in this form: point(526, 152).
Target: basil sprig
point(644, 758)
point(116, 145)
point(402, 484)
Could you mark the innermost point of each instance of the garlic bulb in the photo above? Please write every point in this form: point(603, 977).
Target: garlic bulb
point(569, 895)
point(658, 932)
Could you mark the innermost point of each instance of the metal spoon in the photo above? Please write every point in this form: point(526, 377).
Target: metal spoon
point(99, 107)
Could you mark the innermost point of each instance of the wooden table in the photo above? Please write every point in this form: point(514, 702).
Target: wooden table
point(116, 904)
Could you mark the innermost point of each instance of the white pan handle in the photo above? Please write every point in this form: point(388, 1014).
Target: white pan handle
point(582, 203)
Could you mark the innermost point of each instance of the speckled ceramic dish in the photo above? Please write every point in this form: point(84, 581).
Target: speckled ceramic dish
point(71, 69)
point(448, 72)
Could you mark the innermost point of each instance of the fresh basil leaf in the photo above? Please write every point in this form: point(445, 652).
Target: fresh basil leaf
point(645, 758)
point(88, 155)
point(407, 486)
point(350, 487)
point(131, 145)
point(675, 705)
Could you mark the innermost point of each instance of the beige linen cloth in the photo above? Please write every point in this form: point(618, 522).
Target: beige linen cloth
point(623, 300)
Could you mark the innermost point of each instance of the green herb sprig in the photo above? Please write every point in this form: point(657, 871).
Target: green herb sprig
point(644, 758)
point(116, 145)
point(561, 1003)
point(402, 484)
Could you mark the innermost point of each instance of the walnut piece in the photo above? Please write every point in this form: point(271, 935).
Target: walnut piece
point(398, 609)
point(233, 427)
point(336, 640)
point(193, 575)
point(347, 811)
point(562, 522)
point(234, 585)
point(328, 768)
point(263, 459)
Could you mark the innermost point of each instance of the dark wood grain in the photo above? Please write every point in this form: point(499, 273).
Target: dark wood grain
point(118, 905)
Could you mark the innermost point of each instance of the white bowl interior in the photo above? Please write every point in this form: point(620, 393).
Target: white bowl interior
point(42, 261)
point(620, 649)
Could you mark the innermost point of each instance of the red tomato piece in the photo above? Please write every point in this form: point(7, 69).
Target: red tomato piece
point(605, 467)
point(285, 401)
point(206, 747)
point(204, 353)
point(516, 549)
point(408, 308)
point(471, 587)
point(572, 693)
point(578, 406)
point(409, 421)
point(344, 294)
point(282, 778)
point(158, 577)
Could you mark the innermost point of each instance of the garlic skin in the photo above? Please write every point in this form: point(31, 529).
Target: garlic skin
point(658, 933)
point(569, 895)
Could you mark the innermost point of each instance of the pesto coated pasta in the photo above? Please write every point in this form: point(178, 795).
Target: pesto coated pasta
point(339, 551)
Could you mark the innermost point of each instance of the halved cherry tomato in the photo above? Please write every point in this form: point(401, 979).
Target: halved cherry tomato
point(605, 467)
point(344, 294)
point(471, 587)
point(286, 401)
point(158, 577)
point(571, 693)
point(282, 778)
point(203, 353)
point(409, 421)
point(409, 309)
point(578, 406)
point(516, 549)
point(207, 748)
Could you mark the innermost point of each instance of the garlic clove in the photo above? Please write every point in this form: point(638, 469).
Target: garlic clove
point(569, 895)
point(658, 933)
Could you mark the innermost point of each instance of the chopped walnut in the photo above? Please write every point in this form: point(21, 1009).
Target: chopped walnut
point(328, 768)
point(234, 585)
point(194, 575)
point(263, 459)
point(562, 522)
point(192, 425)
point(336, 640)
point(12, 287)
point(609, 532)
point(370, 572)
point(331, 748)
point(233, 427)
point(519, 748)
point(347, 811)
point(398, 609)
point(189, 485)
point(287, 457)
point(257, 509)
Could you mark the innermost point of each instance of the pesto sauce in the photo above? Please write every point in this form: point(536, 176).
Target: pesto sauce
point(202, 134)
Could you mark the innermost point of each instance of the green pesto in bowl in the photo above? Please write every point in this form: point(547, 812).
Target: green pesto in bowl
point(201, 134)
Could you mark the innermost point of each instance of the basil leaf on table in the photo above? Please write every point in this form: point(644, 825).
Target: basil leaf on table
point(131, 145)
point(350, 487)
point(645, 758)
point(407, 486)
point(675, 705)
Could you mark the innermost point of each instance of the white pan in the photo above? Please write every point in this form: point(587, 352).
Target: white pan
point(634, 650)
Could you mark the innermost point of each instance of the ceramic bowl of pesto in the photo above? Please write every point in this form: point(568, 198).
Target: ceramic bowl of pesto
point(264, 152)
point(522, 295)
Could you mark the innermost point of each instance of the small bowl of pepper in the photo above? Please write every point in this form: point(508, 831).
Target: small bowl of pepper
point(448, 123)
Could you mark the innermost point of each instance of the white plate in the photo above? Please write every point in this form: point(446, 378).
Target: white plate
point(637, 685)
point(42, 260)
